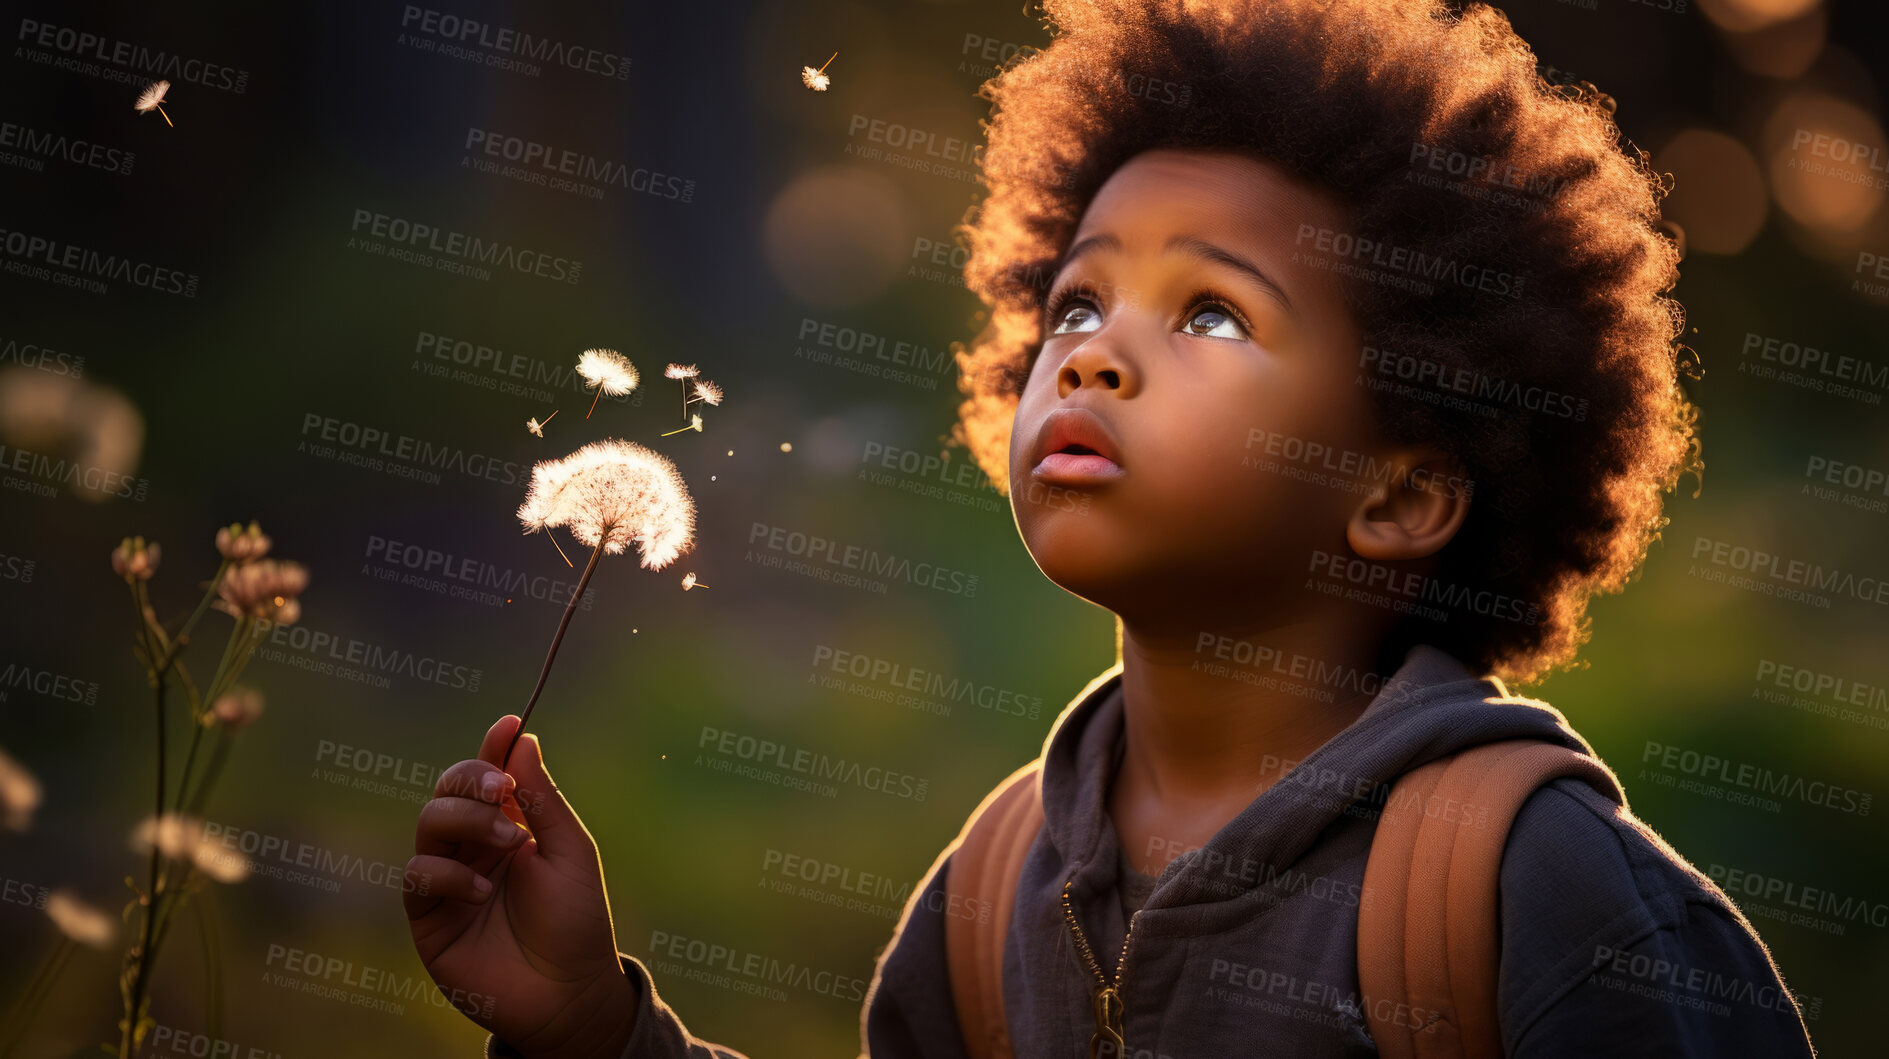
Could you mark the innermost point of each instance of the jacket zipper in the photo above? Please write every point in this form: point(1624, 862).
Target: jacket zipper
point(1106, 1042)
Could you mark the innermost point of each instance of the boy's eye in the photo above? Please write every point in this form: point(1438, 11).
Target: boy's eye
point(1077, 317)
point(1214, 323)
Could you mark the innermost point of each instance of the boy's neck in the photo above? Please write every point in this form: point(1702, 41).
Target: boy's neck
point(1201, 743)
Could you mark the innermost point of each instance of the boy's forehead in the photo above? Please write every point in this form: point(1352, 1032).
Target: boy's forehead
point(1210, 194)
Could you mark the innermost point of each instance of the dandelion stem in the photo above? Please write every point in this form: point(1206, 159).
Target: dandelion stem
point(172, 124)
point(821, 70)
point(569, 609)
point(593, 402)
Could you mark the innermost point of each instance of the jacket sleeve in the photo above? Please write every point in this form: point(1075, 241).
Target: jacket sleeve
point(659, 1033)
point(908, 1012)
point(1612, 941)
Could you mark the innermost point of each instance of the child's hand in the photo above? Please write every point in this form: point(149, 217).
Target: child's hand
point(513, 924)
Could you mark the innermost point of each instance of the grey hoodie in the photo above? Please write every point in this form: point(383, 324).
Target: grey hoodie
point(1612, 943)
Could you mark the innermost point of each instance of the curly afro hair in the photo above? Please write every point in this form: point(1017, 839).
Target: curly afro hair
point(1364, 97)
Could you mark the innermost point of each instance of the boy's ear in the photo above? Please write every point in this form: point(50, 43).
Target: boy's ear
point(1414, 510)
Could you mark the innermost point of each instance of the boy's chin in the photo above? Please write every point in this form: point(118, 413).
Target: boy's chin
point(1098, 579)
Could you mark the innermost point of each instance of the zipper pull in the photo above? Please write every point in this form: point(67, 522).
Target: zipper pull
point(1106, 1042)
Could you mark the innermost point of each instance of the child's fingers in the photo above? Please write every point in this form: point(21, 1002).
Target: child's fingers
point(498, 737)
point(478, 780)
point(430, 880)
point(553, 822)
point(451, 825)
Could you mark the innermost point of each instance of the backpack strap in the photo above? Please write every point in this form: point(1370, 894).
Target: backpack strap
point(985, 862)
point(1428, 933)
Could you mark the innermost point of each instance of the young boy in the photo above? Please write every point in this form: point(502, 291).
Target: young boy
point(1322, 332)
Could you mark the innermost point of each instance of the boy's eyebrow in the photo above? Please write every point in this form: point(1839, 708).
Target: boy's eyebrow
point(1197, 247)
point(1194, 246)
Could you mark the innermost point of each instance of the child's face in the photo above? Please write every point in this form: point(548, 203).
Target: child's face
point(1211, 382)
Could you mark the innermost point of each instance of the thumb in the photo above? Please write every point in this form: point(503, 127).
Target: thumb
point(549, 817)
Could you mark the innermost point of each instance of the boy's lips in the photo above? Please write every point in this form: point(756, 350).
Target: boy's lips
point(1075, 447)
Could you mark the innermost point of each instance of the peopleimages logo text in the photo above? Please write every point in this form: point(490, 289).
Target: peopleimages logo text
point(154, 62)
point(466, 247)
point(507, 41)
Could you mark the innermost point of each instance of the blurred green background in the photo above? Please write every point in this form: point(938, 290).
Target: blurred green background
point(739, 216)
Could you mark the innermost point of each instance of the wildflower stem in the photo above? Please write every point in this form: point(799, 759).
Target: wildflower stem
point(145, 641)
point(193, 806)
point(190, 756)
point(134, 1001)
point(240, 632)
point(563, 623)
point(822, 68)
point(594, 400)
point(183, 635)
point(172, 124)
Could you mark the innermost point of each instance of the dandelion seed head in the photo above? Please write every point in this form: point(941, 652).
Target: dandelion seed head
point(814, 79)
point(608, 370)
point(149, 99)
point(536, 428)
point(79, 921)
point(614, 492)
point(681, 371)
point(707, 392)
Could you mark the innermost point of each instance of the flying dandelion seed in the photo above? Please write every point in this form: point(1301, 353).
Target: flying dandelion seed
point(682, 373)
point(695, 423)
point(689, 581)
point(152, 98)
point(608, 494)
point(553, 538)
point(537, 428)
point(706, 392)
point(817, 79)
point(608, 371)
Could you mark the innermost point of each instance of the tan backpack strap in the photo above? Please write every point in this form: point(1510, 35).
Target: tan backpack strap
point(1447, 832)
point(1387, 876)
point(981, 887)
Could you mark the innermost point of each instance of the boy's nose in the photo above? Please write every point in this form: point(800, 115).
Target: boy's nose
point(1096, 364)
